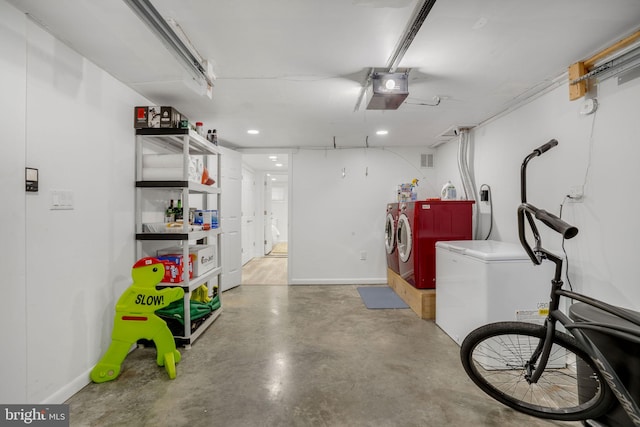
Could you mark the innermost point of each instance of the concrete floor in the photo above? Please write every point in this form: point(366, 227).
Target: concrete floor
point(300, 356)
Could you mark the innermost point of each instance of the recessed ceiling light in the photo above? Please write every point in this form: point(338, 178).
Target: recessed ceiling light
point(278, 164)
point(253, 131)
point(382, 132)
point(274, 158)
point(273, 179)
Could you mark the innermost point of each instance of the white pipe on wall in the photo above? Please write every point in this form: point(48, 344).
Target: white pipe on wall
point(468, 184)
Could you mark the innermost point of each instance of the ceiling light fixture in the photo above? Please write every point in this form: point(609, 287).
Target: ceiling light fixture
point(279, 165)
point(253, 131)
point(176, 42)
point(382, 132)
point(274, 158)
point(390, 84)
point(388, 90)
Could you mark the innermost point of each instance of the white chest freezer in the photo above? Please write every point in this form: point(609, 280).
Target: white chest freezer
point(484, 281)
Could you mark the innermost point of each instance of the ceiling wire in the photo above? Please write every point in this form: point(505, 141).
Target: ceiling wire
point(436, 100)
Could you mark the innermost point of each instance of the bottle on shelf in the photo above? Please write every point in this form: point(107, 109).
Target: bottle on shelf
point(212, 136)
point(169, 214)
point(178, 210)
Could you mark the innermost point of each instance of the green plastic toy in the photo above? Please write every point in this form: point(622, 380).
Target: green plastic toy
point(135, 319)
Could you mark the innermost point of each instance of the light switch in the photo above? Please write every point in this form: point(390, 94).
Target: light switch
point(61, 200)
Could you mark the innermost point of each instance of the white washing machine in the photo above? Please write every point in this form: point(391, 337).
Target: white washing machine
point(484, 281)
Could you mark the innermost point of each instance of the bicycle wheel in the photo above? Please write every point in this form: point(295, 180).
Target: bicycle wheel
point(570, 388)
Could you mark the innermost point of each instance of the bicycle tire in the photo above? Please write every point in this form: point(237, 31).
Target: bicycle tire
point(494, 357)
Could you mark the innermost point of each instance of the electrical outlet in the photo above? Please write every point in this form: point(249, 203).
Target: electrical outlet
point(576, 193)
point(363, 256)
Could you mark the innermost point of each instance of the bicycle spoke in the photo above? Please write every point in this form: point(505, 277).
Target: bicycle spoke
point(497, 359)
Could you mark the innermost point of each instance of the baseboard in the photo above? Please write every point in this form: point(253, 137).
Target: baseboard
point(77, 384)
point(369, 281)
point(63, 394)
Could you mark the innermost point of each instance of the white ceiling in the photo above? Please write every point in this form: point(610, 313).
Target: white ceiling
point(275, 162)
point(294, 68)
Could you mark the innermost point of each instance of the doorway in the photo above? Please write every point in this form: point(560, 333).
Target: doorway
point(266, 257)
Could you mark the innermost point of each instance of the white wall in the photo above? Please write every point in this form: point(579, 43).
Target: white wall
point(72, 121)
point(599, 150)
point(13, 315)
point(334, 218)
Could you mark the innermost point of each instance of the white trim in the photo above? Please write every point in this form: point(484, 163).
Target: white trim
point(346, 281)
point(69, 389)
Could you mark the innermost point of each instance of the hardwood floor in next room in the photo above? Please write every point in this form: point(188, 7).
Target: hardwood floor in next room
point(267, 270)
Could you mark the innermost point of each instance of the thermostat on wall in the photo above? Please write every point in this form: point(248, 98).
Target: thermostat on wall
point(31, 179)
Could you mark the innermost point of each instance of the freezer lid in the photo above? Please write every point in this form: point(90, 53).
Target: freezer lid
point(486, 250)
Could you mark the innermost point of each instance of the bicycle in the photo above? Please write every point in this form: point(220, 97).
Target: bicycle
point(543, 371)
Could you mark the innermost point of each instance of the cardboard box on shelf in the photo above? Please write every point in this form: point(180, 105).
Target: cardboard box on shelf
point(156, 117)
point(206, 258)
point(169, 117)
point(203, 257)
point(174, 267)
point(146, 117)
point(209, 216)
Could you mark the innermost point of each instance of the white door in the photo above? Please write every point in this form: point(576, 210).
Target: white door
point(230, 214)
point(268, 216)
point(248, 215)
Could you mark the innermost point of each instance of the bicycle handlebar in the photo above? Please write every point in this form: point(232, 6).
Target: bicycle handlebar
point(567, 230)
point(546, 147)
point(528, 211)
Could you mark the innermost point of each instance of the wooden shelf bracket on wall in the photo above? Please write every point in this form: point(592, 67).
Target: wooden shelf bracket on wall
point(578, 72)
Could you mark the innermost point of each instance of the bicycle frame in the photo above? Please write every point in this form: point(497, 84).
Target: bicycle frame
point(537, 364)
point(541, 354)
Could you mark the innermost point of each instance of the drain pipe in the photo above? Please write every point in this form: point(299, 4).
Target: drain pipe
point(468, 185)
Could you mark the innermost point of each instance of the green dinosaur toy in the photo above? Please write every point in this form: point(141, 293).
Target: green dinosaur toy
point(135, 319)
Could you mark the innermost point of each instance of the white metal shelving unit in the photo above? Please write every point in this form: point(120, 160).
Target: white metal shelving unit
point(188, 143)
